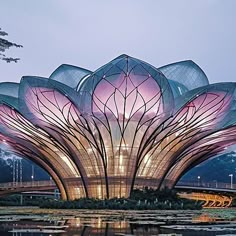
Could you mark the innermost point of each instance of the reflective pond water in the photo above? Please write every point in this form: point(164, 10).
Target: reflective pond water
point(44, 222)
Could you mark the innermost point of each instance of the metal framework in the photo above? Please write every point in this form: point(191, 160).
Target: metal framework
point(127, 125)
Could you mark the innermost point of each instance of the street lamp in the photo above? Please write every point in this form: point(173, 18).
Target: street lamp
point(32, 174)
point(51, 180)
point(198, 178)
point(231, 180)
point(216, 183)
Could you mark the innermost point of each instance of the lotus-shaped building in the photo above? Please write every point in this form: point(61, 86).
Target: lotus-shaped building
point(127, 125)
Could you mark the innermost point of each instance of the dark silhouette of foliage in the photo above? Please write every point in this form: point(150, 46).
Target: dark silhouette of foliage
point(4, 45)
point(146, 199)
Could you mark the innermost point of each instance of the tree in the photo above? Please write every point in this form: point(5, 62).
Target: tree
point(4, 45)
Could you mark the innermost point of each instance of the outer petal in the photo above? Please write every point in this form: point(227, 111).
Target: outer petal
point(52, 106)
point(69, 75)
point(186, 73)
point(209, 146)
point(205, 113)
point(9, 89)
point(25, 150)
point(22, 137)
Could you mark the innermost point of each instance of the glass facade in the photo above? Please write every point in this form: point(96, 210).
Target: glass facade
point(127, 125)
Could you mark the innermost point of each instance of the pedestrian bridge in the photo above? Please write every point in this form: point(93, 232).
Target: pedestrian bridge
point(214, 194)
point(21, 187)
point(216, 187)
point(16, 187)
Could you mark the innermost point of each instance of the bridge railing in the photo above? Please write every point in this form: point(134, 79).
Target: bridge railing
point(27, 184)
point(42, 183)
point(215, 184)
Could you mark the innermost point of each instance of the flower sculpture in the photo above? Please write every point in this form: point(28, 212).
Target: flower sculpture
point(127, 125)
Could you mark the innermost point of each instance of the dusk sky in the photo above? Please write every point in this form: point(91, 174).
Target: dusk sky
point(91, 33)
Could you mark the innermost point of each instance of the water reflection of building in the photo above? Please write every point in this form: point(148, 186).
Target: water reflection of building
point(206, 218)
point(98, 228)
